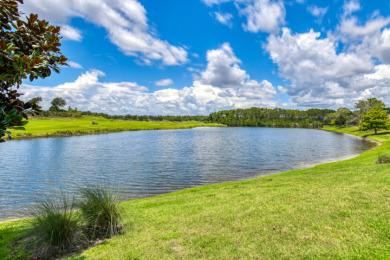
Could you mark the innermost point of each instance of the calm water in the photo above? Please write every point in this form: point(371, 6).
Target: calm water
point(148, 163)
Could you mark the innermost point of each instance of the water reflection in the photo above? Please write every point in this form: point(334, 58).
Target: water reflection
point(147, 163)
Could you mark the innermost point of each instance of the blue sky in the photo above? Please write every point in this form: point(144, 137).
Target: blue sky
point(200, 56)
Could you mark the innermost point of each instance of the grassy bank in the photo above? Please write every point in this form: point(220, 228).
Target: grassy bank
point(332, 211)
point(52, 127)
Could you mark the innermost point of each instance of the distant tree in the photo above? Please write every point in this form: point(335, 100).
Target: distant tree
point(57, 103)
point(375, 119)
point(28, 49)
point(330, 119)
point(342, 116)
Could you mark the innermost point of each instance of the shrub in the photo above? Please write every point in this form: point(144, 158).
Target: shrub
point(383, 159)
point(54, 228)
point(100, 210)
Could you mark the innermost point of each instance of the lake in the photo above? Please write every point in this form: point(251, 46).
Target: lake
point(149, 163)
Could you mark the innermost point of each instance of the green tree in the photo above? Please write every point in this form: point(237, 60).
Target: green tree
point(375, 119)
point(29, 48)
point(57, 103)
point(342, 116)
point(364, 106)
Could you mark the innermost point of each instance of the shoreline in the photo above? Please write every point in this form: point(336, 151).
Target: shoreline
point(378, 143)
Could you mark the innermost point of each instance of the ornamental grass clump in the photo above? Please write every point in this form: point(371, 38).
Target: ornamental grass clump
point(54, 229)
point(99, 208)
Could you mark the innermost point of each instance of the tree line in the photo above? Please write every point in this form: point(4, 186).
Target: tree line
point(266, 117)
point(369, 114)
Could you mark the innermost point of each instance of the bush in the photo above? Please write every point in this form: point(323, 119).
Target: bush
point(383, 159)
point(55, 227)
point(100, 210)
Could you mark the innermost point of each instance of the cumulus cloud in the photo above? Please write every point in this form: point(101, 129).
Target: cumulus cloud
point(125, 21)
point(222, 68)
point(305, 58)
point(88, 93)
point(163, 82)
point(319, 75)
point(209, 93)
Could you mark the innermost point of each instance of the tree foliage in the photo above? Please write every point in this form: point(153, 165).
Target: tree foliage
point(364, 106)
point(57, 103)
point(29, 49)
point(10, 119)
point(339, 118)
point(375, 119)
point(36, 100)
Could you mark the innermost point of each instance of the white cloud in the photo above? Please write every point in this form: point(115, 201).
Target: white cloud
point(379, 45)
point(71, 33)
point(381, 72)
point(351, 7)
point(306, 58)
point(207, 94)
point(257, 90)
point(319, 75)
point(224, 18)
point(74, 65)
point(222, 69)
point(350, 30)
point(263, 16)
point(371, 37)
point(89, 93)
point(125, 21)
point(163, 82)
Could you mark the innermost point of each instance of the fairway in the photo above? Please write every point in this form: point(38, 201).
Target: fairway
point(68, 126)
point(331, 211)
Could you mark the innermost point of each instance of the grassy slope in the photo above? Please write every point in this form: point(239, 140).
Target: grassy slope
point(332, 211)
point(43, 127)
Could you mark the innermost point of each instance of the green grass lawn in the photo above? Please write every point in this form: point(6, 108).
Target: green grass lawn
point(336, 210)
point(44, 127)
